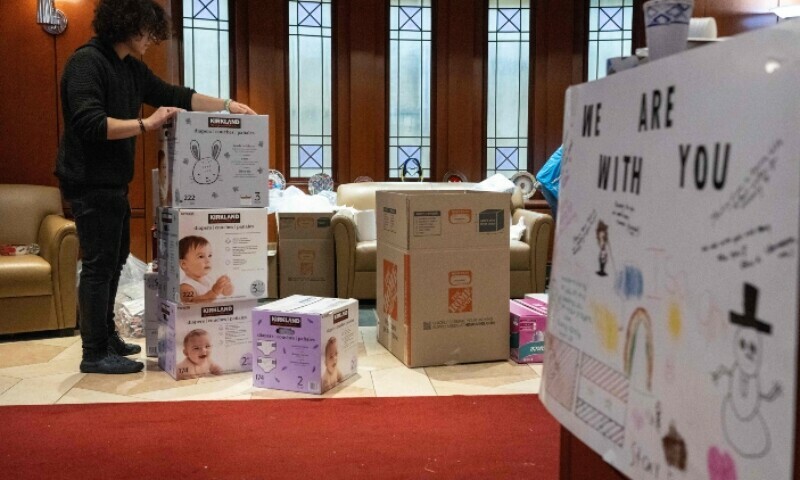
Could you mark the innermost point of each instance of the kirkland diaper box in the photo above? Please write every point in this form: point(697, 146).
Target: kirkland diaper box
point(151, 309)
point(214, 255)
point(202, 340)
point(305, 254)
point(528, 324)
point(213, 160)
point(443, 276)
point(304, 343)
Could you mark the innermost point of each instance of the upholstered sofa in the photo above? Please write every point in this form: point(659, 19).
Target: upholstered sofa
point(356, 260)
point(37, 292)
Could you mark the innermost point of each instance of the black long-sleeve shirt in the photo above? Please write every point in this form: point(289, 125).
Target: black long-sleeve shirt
point(96, 85)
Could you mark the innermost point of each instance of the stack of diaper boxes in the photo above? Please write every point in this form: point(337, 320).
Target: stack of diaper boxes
point(212, 241)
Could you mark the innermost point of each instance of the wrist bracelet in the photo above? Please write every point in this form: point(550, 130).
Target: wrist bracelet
point(227, 105)
point(141, 125)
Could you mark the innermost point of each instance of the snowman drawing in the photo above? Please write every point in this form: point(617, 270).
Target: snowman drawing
point(742, 423)
point(205, 170)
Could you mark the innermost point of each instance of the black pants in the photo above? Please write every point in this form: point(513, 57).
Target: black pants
point(102, 217)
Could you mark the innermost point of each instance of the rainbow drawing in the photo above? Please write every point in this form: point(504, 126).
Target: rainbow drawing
point(639, 320)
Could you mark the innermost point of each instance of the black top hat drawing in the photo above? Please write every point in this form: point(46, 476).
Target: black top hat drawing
point(748, 318)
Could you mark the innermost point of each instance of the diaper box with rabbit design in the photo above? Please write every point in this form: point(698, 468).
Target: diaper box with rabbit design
point(304, 343)
point(212, 255)
point(214, 160)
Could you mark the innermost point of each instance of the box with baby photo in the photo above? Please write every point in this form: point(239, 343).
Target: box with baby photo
point(305, 344)
point(214, 160)
point(201, 340)
point(212, 255)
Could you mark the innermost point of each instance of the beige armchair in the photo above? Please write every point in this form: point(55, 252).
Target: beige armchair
point(355, 260)
point(37, 292)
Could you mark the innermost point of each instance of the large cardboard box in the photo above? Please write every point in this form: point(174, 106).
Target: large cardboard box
point(528, 326)
point(443, 276)
point(224, 254)
point(305, 254)
point(304, 343)
point(213, 160)
point(202, 340)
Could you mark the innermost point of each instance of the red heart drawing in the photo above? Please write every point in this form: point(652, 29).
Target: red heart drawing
point(720, 465)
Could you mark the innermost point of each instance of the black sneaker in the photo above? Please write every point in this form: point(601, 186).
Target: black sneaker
point(112, 364)
point(116, 346)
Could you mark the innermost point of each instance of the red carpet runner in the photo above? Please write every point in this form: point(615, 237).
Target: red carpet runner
point(480, 437)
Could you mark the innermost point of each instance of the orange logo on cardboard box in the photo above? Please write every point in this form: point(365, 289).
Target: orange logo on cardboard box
point(305, 222)
point(390, 289)
point(459, 215)
point(460, 300)
point(306, 260)
point(460, 277)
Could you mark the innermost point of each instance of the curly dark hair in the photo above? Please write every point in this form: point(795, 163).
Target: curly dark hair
point(117, 21)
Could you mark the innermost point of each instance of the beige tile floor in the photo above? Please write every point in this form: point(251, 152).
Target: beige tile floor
point(45, 371)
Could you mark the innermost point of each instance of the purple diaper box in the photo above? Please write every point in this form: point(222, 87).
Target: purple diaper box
point(528, 324)
point(305, 344)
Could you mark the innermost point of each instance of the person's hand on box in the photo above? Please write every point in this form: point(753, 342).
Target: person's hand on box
point(160, 117)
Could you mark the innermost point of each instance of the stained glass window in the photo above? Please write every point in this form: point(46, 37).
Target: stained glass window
point(206, 47)
point(310, 113)
point(610, 32)
point(410, 88)
point(507, 86)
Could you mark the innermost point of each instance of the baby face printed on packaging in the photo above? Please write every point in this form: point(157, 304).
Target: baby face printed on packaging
point(196, 262)
point(198, 348)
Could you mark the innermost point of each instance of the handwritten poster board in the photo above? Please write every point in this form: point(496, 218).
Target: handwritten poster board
point(672, 343)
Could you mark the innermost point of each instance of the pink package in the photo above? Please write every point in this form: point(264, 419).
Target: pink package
point(528, 324)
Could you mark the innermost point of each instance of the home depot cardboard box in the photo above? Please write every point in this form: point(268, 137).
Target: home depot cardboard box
point(443, 275)
point(218, 244)
point(305, 343)
point(214, 160)
point(305, 254)
point(205, 340)
point(528, 325)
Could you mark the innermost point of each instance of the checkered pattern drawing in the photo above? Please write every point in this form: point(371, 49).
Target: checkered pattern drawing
point(602, 398)
point(560, 370)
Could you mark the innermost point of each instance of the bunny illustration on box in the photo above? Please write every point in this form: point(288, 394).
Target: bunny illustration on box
point(205, 170)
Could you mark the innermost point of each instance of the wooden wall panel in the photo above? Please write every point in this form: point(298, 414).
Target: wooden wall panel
point(28, 122)
point(266, 57)
point(360, 83)
point(737, 16)
point(459, 120)
point(163, 60)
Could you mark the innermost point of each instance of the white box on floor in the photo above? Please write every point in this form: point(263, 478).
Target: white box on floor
point(201, 340)
point(305, 344)
point(212, 255)
point(151, 309)
point(213, 160)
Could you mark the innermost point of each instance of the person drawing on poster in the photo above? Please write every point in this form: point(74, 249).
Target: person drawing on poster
point(602, 241)
point(197, 349)
point(331, 375)
point(742, 423)
point(195, 260)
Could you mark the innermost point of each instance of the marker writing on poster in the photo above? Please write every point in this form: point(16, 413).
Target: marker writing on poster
point(651, 113)
point(591, 120)
point(754, 183)
point(625, 173)
point(700, 153)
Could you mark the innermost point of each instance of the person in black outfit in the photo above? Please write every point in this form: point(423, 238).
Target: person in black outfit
point(102, 90)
